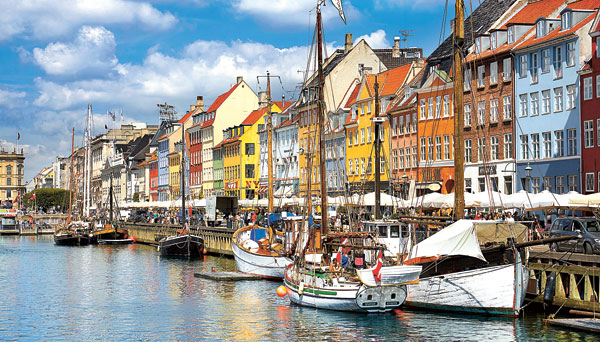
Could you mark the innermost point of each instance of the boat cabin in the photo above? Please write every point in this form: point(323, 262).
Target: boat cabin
point(395, 235)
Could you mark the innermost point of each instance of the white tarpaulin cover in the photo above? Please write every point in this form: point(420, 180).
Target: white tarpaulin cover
point(459, 238)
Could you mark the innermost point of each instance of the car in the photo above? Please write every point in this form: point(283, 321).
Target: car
point(587, 227)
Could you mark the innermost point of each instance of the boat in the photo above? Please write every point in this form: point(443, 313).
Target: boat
point(184, 244)
point(358, 277)
point(72, 233)
point(111, 235)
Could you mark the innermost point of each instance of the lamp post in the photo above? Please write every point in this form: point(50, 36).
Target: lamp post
point(528, 176)
point(404, 190)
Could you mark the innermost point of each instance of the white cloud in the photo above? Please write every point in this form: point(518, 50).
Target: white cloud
point(11, 99)
point(376, 40)
point(414, 4)
point(43, 19)
point(92, 52)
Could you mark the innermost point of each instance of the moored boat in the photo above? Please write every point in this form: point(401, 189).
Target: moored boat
point(187, 245)
point(255, 253)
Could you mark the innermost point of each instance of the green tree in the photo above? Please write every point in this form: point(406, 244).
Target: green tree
point(48, 198)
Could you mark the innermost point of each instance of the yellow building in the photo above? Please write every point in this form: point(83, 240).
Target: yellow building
point(11, 175)
point(174, 175)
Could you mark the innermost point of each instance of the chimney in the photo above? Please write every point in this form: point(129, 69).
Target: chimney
point(396, 48)
point(349, 44)
point(239, 79)
point(200, 102)
point(262, 99)
point(192, 107)
point(283, 101)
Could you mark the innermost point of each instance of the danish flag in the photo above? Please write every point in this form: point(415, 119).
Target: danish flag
point(377, 268)
point(341, 251)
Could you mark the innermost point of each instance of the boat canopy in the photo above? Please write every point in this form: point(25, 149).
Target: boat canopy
point(499, 231)
point(459, 238)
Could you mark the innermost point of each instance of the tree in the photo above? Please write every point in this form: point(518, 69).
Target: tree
point(48, 198)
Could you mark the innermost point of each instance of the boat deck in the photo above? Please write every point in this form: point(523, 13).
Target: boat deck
point(226, 276)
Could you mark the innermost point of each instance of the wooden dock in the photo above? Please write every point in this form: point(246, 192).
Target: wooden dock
point(583, 324)
point(226, 276)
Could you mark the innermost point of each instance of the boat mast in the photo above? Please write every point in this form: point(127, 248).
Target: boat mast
point(321, 125)
point(71, 175)
point(182, 177)
point(110, 195)
point(270, 144)
point(87, 163)
point(377, 154)
point(459, 147)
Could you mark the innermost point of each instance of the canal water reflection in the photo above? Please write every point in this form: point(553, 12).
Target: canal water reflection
point(116, 293)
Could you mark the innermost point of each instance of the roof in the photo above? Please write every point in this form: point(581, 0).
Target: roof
point(208, 123)
point(254, 116)
point(353, 94)
point(185, 117)
point(532, 11)
point(152, 159)
point(584, 5)
point(556, 33)
point(220, 99)
point(386, 56)
point(283, 106)
point(230, 140)
point(394, 80)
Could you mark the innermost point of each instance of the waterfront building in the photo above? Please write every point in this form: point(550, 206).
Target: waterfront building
point(153, 177)
point(218, 175)
point(228, 109)
point(589, 84)
point(231, 160)
point(11, 175)
point(195, 148)
point(547, 88)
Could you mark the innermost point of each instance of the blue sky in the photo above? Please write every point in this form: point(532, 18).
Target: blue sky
point(59, 55)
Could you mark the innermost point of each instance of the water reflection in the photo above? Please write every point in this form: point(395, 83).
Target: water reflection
point(99, 293)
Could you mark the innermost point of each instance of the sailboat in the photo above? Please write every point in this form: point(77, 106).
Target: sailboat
point(111, 235)
point(73, 233)
point(255, 248)
point(341, 281)
point(185, 244)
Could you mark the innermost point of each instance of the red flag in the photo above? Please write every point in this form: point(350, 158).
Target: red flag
point(33, 196)
point(341, 251)
point(377, 268)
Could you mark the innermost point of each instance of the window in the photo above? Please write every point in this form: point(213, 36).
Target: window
point(249, 170)
point(408, 161)
point(438, 107)
point(414, 152)
point(598, 132)
point(560, 184)
point(414, 122)
point(9, 170)
point(573, 183)
point(597, 85)
point(545, 61)
point(494, 155)
point(446, 106)
point(540, 29)
point(438, 148)
point(362, 135)
point(481, 184)
point(494, 110)
point(511, 35)
point(8, 181)
point(249, 149)
point(400, 125)
point(597, 47)
point(478, 45)
point(407, 127)
point(507, 107)
point(535, 144)
point(430, 148)
point(369, 134)
point(423, 149)
point(589, 182)
point(508, 146)
point(534, 68)
point(535, 103)
point(362, 166)
point(422, 109)
point(468, 115)
point(547, 144)
point(588, 133)
point(395, 154)
point(468, 185)
point(467, 80)
point(356, 166)
point(430, 108)
point(548, 183)
point(570, 54)
point(494, 73)
point(524, 146)
point(588, 90)
point(523, 105)
point(446, 147)
point(560, 145)
point(481, 148)
point(535, 185)
point(507, 69)
point(508, 185)
point(565, 21)
point(481, 76)
point(523, 66)
point(558, 99)
point(468, 151)
point(350, 139)
point(545, 101)
point(481, 113)
point(572, 141)
point(571, 96)
point(381, 133)
point(493, 41)
point(558, 62)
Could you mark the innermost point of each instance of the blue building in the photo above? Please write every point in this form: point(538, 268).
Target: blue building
point(547, 107)
point(335, 150)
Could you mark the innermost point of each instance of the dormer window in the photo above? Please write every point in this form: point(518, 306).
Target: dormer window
point(540, 29)
point(494, 40)
point(565, 21)
point(478, 45)
point(511, 35)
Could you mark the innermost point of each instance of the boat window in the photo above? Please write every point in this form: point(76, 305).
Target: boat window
point(592, 226)
point(394, 231)
point(404, 231)
point(383, 231)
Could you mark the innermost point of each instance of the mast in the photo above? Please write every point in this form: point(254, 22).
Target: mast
point(87, 163)
point(270, 144)
point(377, 154)
point(110, 195)
point(182, 177)
point(459, 147)
point(321, 125)
point(71, 175)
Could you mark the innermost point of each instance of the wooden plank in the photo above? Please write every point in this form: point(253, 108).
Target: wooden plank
point(564, 256)
point(585, 324)
point(226, 276)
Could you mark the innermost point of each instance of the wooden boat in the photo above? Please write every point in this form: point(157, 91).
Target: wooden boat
point(255, 253)
point(111, 234)
point(116, 241)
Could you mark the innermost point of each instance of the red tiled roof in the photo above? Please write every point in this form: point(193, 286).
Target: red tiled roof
point(220, 99)
point(584, 5)
point(531, 12)
point(208, 123)
point(153, 159)
point(353, 96)
point(254, 116)
point(349, 120)
point(142, 163)
point(557, 33)
point(185, 117)
point(230, 140)
point(394, 80)
point(172, 153)
point(281, 105)
point(163, 136)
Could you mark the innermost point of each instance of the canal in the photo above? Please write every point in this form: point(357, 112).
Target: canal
point(118, 293)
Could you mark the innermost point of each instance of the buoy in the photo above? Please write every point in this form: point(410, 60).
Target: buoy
point(213, 269)
point(282, 291)
point(204, 251)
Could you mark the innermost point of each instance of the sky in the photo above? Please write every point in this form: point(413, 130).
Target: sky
point(129, 55)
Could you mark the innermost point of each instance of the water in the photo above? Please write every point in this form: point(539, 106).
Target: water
point(117, 293)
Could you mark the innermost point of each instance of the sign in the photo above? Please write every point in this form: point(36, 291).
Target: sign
point(434, 187)
point(487, 170)
point(231, 185)
point(431, 175)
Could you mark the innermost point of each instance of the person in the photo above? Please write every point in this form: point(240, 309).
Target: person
point(334, 267)
point(254, 218)
point(509, 217)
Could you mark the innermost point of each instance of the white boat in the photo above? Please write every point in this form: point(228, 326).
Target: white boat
point(459, 276)
point(255, 253)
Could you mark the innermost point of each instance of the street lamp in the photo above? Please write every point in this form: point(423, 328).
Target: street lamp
point(405, 181)
point(528, 175)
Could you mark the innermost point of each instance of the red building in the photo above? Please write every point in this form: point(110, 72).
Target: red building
point(195, 154)
point(153, 163)
point(589, 95)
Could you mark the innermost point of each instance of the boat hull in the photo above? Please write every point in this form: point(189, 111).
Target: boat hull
point(495, 290)
point(115, 241)
point(188, 246)
point(71, 240)
point(266, 266)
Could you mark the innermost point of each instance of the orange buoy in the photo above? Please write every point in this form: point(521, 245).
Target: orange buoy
point(204, 251)
point(282, 291)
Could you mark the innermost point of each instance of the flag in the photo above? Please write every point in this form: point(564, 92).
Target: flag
point(377, 268)
point(110, 114)
point(341, 251)
point(338, 5)
point(121, 109)
point(33, 196)
point(105, 126)
point(18, 135)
